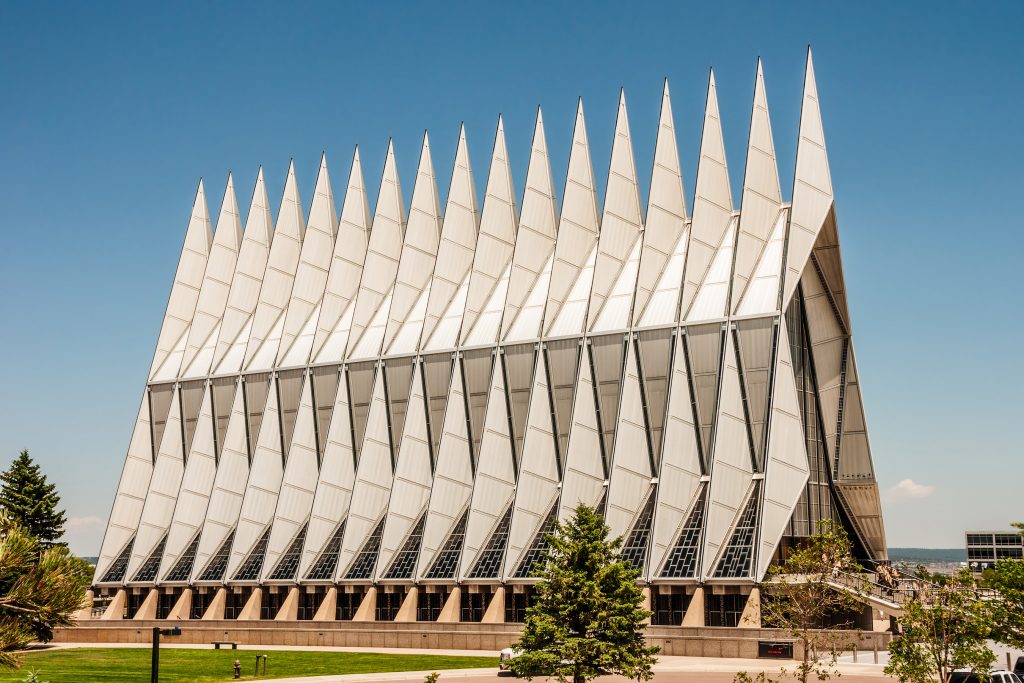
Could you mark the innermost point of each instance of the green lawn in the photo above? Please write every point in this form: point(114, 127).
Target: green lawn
point(104, 665)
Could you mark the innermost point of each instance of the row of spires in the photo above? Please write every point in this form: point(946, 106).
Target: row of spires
point(230, 202)
point(622, 212)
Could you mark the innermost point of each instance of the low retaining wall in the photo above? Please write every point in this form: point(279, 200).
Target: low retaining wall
point(488, 638)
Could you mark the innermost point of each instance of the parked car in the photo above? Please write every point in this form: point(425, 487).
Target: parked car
point(999, 676)
point(1018, 668)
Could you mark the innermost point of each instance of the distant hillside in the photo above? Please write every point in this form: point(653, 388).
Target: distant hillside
point(927, 555)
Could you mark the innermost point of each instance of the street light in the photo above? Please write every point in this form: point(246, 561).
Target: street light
point(157, 632)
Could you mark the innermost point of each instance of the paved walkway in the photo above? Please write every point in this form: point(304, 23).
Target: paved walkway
point(667, 670)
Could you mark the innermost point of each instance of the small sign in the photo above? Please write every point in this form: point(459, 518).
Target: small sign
point(773, 649)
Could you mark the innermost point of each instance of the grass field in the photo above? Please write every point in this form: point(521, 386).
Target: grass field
point(132, 665)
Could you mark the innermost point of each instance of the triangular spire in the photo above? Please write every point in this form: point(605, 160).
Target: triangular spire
point(188, 280)
point(333, 490)
point(455, 252)
point(216, 282)
point(311, 272)
point(291, 205)
point(621, 222)
point(229, 217)
point(712, 203)
point(539, 471)
point(578, 225)
point(495, 473)
point(786, 470)
point(374, 478)
point(419, 252)
point(263, 487)
point(732, 466)
point(495, 244)
point(679, 470)
point(812, 186)
point(196, 483)
point(382, 255)
point(413, 474)
point(346, 268)
point(762, 196)
point(279, 277)
point(632, 468)
point(452, 485)
point(163, 486)
point(535, 241)
point(249, 270)
point(300, 475)
point(666, 223)
point(585, 472)
point(218, 519)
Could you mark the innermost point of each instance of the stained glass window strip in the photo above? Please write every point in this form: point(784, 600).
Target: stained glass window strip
point(119, 567)
point(147, 572)
point(405, 561)
point(739, 554)
point(682, 559)
point(634, 550)
point(327, 562)
point(489, 563)
point(253, 563)
point(218, 564)
point(183, 567)
point(535, 556)
point(288, 565)
point(448, 557)
point(366, 560)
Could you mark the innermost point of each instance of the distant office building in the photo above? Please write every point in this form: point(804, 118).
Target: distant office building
point(345, 415)
point(984, 548)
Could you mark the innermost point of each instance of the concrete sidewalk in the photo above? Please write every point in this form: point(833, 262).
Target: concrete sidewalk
point(667, 670)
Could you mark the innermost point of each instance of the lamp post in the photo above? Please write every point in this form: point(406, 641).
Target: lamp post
point(157, 632)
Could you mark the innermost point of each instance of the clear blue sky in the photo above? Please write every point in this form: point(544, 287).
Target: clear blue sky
point(110, 113)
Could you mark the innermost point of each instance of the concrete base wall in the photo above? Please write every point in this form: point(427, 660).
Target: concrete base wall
point(673, 640)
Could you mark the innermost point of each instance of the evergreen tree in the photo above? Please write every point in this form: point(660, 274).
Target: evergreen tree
point(588, 618)
point(28, 499)
point(40, 587)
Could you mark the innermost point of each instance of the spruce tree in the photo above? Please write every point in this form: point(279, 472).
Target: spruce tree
point(30, 501)
point(588, 619)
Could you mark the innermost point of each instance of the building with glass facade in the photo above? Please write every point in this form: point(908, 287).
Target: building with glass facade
point(380, 416)
point(985, 548)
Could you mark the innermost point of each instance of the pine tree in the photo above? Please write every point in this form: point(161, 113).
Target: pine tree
point(588, 618)
point(28, 499)
point(40, 588)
